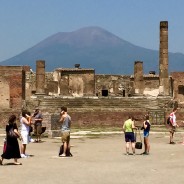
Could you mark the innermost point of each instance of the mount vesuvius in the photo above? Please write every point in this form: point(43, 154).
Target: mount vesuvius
point(93, 47)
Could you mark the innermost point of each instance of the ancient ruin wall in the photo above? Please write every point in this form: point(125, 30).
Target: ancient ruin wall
point(12, 87)
point(178, 86)
point(113, 85)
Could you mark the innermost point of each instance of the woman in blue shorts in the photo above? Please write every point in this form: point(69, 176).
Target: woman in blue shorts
point(146, 129)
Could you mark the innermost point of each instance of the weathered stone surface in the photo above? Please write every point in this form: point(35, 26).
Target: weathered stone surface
point(115, 85)
point(102, 112)
point(178, 85)
point(138, 78)
point(4, 116)
point(40, 77)
point(163, 59)
point(12, 87)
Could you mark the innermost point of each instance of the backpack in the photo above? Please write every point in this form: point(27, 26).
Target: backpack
point(68, 153)
point(169, 120)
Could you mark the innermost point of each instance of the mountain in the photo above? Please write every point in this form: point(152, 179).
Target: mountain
point(93, 47)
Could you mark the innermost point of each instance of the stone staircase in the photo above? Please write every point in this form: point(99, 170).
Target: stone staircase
point(99, 111)
point(104, 102)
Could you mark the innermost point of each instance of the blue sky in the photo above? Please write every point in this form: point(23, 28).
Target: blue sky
point(24, 23)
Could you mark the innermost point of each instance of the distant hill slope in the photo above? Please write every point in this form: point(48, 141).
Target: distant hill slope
point(93, 47)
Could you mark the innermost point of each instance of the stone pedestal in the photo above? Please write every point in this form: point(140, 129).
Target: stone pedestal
point(138, 78)
point(55, 126)
point(40, 77)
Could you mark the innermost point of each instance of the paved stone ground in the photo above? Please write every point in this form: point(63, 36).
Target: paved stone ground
point(98, 160)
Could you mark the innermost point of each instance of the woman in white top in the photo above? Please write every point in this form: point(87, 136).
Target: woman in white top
point(25, 125)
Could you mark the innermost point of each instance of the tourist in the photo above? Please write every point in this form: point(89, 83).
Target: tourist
point(146, 128)
point(25, 126)
point(128, 129)
point(38, 124)
point(12, 146)
point(30, 128)
point(172, 125)
point(65, 119)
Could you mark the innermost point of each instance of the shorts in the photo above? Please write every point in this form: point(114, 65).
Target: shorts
point(38, 129)
point(172, 129)
point(146, 134)
point(25, 137)
point(129, 137)
point(65, 136)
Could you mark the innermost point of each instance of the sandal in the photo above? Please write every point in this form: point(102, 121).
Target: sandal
point(1, 162)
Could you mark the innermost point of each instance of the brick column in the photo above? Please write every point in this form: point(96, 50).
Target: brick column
point(163, 59)
point(138, 78)
point(40, 77)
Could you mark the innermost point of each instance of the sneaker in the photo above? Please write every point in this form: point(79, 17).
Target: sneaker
point(23, 156)
point(63, 155)
point(31, 140)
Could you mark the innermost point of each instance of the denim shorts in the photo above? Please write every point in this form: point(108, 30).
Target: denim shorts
point(146, 134)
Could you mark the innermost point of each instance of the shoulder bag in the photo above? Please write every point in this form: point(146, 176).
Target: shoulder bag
point(138, 145)
point(12, 134)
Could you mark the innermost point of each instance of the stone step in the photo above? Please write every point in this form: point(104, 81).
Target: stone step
point(99, 103)
point(103, 102)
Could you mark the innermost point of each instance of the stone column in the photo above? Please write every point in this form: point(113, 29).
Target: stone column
point(163, 59)
point(40, 77)
point(138, 78)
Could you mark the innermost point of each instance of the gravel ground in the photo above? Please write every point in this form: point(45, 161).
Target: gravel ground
point(98, 160)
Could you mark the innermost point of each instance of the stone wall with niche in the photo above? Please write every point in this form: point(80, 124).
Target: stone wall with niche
point(114, 85)
point(178, 85)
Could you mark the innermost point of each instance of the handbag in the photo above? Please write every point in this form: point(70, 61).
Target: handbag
point(43, 129)
point(30, 129)
point(138, 145)
point(4, 146)
point(12, 134)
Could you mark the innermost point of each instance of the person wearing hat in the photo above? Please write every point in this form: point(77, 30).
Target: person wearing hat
point(37, 124)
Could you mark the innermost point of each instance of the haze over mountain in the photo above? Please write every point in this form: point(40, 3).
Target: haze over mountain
point(93, 47)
